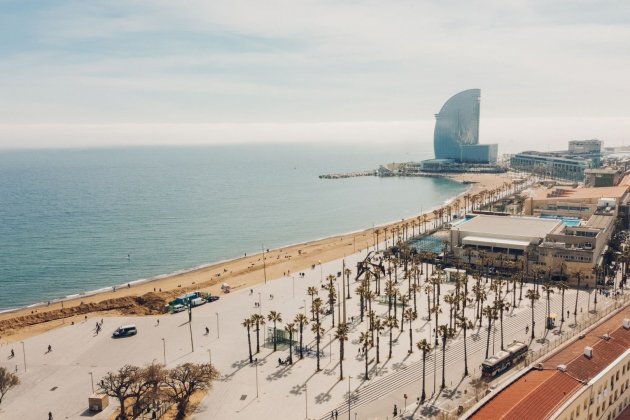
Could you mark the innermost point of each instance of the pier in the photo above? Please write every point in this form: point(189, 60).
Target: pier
point(349, 175)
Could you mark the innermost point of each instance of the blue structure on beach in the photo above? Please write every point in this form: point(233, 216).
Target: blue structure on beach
point(456, 135)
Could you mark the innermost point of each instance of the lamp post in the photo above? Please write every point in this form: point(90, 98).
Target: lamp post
point(217, 324)
point(92, 380)
point(164, 348)
point(24, 355)
point(264, 263)
point(210, 355)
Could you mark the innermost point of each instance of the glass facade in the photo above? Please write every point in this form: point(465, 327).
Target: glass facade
point(457, 124)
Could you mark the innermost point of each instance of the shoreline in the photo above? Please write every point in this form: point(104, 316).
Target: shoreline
point(237, 272)
point(181, 271)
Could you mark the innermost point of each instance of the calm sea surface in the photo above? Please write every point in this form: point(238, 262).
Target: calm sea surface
point(69, 218)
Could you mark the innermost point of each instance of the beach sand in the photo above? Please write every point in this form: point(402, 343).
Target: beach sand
point(149, 297)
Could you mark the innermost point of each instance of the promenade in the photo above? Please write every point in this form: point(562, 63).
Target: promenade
point(60, 381)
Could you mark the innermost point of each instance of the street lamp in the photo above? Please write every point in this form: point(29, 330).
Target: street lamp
point(210, 355)
point(24, 355)
point(92, 379)
point(164, 348)
point(217, 324)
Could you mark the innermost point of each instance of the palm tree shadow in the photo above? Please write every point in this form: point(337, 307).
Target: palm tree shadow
point(238, 365)
point(325, 396)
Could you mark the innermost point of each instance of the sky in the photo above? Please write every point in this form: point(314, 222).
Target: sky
point(134, 72)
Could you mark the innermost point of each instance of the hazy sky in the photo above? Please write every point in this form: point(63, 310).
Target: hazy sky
point(90, 73)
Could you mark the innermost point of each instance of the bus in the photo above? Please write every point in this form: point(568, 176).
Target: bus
point(497, 364)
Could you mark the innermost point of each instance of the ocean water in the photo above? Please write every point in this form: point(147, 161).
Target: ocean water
point(70, 218)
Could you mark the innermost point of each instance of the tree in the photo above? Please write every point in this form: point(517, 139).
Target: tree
point(489, 312)
point(274, 317)
point(332, 294)
point(425, 347)
point(378, 326)
point(8, 381)
point(341, 334)
point(365, 339)
point(548, 290)
point(318, 331)
point(312, 291)
point(290, 328)
point(301, 320)
point(464, 323)
point(533, 296)
point(248, 323)
point(148, 388)
point(121, 385)
point(184, 380)
point(258, 320)
point(391, 322)
point(445, 332)
point(410, 315)
point(501, 306)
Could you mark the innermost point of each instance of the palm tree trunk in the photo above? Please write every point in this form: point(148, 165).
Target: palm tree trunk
point(366, 349)
point(257, 338)
point(317, 343)
point(424, 359)
point(378, 347)
point(562, 315)
point(410, 337)
point(340, 359)
point(488, 341)
point(443, 362)
point(533, 319)
point(465, 353)
point(390, 342)
point(249, 343)
point(291, 348)
point(274, 336)
point(501, 328)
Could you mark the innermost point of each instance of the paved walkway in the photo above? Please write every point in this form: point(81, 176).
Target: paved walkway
point(60, 381)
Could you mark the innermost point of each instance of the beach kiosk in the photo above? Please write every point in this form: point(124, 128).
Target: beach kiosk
point(98, 402)
point(551, 321)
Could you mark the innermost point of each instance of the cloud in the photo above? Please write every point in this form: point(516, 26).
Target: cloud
point(290, 62)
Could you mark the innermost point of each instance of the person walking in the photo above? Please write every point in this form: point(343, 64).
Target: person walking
point(49, 348)
point(12, 354)
point(50, 416)
point(207, 330)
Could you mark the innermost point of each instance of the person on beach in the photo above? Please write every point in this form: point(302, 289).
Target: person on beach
point(49, 348)
point(12, 354)
point(207, 330)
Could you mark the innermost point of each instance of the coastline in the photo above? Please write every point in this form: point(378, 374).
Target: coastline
point(237, 272)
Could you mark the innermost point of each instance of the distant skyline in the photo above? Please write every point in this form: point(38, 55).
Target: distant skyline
point(93, 74)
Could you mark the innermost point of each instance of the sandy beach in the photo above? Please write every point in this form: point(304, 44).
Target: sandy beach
point(149, 297)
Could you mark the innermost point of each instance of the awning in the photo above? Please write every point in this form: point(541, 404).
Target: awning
point(495, 242)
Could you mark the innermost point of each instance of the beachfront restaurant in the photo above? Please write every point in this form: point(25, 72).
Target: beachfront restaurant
point(502, 238)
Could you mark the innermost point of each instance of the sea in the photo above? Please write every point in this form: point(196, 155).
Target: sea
point(77, 220)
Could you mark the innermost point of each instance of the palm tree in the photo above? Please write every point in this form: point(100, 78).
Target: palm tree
point(533, 296)
point(390, 292)
point(274, 317)
point(445, 332)
point(548, 290)
point(562, 287)
point(319, 331)
point(436, 310)
point(361, 291)
point(301, 320)
point(489, 312)
point(464, 323)
point(451, 300)
point(425, 347)
point(428, 289)
point(332, 294)
point(391, 322)
point(247, 323)
point(378, 326)
point(290, 328)
point(410, 315)
point(502, 306)
point(415, 288)
point(403, 300)
point(258, 320)
point(341, 334)
point(365, 339)
point(312, 291)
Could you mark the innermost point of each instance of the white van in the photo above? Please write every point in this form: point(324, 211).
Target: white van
point(178, 308)
point(197, 301)
point(125, 331)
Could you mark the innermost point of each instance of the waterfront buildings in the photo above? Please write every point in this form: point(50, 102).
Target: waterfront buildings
point(456, 135)
point(569, 165)
point(588, 379)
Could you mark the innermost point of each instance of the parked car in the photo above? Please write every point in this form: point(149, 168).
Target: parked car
point(178, 308)
point(125, 331)
point(213, 298)
point(197, 301)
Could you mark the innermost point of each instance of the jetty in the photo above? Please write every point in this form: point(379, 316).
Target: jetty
point(349, 175)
